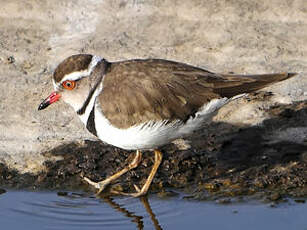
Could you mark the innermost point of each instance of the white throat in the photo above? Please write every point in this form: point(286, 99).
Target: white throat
point(84, 117)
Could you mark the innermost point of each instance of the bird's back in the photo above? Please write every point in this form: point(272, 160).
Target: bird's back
point(138, 91)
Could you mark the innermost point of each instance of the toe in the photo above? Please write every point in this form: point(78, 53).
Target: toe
point(137, 188)
point(101, 186)
point(96, 185)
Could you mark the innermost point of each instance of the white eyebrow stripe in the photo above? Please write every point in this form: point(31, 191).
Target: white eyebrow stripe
point(75, 76)
point(78, 75)
point(55, 86)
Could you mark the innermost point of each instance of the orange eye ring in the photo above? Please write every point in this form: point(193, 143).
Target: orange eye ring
point(69, 84)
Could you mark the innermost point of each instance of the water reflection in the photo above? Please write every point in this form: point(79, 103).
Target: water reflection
point(79, 211)
point(135, 218)
point(148, 209)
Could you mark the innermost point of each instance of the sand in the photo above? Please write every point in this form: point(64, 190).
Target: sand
point(223, 36)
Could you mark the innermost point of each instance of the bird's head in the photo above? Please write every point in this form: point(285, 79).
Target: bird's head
point(75, 80)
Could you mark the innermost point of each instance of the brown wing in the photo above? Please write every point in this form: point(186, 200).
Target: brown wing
point(138, 91)
point(236, 84)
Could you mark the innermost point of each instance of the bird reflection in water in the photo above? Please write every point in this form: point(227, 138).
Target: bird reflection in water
point(135, 218)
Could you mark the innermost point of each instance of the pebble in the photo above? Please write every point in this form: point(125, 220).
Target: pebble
point(2, 191)
point(27, 65)
point(275, 196)
point(11, 59)
point(62, 193)
point(300, 201)
point(166, 194)
point(304, 156)
point(224, 201)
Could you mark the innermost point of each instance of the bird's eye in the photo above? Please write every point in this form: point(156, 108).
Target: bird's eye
point(69, 84)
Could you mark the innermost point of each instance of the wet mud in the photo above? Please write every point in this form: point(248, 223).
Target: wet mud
point(225, 161)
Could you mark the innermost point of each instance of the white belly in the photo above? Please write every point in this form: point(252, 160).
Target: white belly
point(153, 134)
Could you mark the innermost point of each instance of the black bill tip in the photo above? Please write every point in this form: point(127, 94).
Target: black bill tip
point(43, 105)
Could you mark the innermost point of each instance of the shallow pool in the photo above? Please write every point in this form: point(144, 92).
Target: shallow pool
point(49, 210)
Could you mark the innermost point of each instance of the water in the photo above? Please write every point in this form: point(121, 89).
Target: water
point(48, 210)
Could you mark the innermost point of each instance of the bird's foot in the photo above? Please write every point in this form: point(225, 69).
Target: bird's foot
point(101, 185)
point(139, 192)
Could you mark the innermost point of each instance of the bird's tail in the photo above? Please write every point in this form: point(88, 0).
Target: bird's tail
point(235, 84)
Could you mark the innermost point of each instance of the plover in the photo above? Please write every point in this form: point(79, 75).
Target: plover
point(145, 104)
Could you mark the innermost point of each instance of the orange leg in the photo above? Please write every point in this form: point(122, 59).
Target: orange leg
point(144, 190)
point(102, 184)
